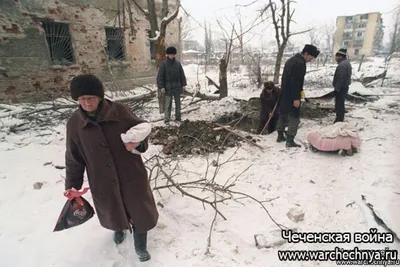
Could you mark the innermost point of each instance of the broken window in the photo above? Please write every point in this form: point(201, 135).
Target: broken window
point(362, 25)
point(360, 34)
point(59, 42)
point(364, 17)
point(153, 50)
point(356, 52)
point(115, 43)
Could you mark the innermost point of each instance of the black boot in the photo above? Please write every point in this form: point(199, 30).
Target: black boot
point(119, 237)
point(281, 137)
point(290, 142)
point(140, 241)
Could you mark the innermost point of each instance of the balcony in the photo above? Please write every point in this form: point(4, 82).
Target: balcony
point(359, 35)
point(358, 43)
point(346, 44)
point(347, 36)
point(364, 18)
point(362, 25)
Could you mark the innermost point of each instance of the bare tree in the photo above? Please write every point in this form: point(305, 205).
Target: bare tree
point(282, 16)
point(328, 33)
point(228, 38)
point(158, 29)
point(315, 36)
point(224, 61)
point(240, 36)
point(254, 66)
point(186, 29)
point(208, 42)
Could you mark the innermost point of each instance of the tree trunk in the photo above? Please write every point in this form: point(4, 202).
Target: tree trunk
point(223, 78)
point(326, 60)
point(259, 78)
point(278, 62)
point(242, 52)
point(361, 62)
point(160, 57)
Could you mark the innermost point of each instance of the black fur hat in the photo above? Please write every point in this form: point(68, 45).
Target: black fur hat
point(311, 50)
point(342, 52)
point(86, 84)
point(269, 85)
point(171, 51)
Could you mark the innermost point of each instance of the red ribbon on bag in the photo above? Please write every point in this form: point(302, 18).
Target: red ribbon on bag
point(73, 193)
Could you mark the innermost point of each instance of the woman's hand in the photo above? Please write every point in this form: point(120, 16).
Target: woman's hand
point(131, 146)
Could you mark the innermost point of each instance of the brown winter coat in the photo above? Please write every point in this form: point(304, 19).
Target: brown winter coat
point(117, 177)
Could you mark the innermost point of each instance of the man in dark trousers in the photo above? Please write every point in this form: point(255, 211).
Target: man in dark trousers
point(341, 82)
point(291, 90)
point(171, 80)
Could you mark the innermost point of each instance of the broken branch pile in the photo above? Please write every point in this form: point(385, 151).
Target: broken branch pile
point(43, 115)
point(167, 173)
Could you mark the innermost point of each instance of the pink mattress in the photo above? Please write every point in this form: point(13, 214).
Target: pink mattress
point(333, 144)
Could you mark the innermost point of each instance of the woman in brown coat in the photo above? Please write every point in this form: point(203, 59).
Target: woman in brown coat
point(117, 178)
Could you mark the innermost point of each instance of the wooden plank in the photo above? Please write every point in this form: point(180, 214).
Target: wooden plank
point(244, 138)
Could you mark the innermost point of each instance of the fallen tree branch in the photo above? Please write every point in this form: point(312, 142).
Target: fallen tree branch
point(220, 192)
point(210, 81)
point(180, 184)
point(244, 138)
point(332, 107)
point(59, 107)
point(183, 192)
point(211, 227)
point(282, 227)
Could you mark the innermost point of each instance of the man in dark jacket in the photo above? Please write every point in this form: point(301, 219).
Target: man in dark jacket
point(171, 80)
point(117, 178)
point(269, 97)
point(341, 82)
point(291, 89)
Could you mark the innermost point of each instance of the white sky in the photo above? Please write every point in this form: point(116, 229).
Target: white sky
point(309, 13)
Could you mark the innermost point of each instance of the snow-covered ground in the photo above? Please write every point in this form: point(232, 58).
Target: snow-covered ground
point(322, 185)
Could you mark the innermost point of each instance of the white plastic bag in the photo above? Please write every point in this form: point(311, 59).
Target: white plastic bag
point(136, 134)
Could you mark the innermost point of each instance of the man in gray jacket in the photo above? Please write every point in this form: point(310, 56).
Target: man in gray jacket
point(341, 82)
point(171, 80)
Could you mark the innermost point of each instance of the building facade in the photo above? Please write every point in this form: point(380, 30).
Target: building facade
point(44, 44)
point(361, 34)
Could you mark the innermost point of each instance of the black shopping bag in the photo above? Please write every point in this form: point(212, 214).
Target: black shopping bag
point(75, 212)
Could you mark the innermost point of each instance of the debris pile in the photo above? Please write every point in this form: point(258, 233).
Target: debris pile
point(194, 138)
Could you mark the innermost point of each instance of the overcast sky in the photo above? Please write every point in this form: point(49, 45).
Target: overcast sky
point(309, 13)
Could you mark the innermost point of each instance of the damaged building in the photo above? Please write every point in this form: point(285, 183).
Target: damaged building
point(44, 44)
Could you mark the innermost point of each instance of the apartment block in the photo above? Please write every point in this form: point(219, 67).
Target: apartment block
point(361, 34)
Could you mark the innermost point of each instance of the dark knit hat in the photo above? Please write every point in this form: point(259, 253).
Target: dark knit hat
point(342, 52)
point(171, 51)
point(311, 50)
point(269, 85)
point(86, 84)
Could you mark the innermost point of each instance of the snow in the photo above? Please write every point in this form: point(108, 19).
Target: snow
point(191, 52)
point(322, 185)
point(155, 38)
point(357, 87)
